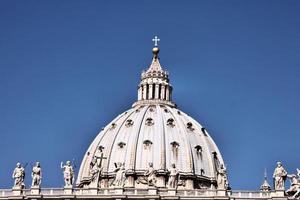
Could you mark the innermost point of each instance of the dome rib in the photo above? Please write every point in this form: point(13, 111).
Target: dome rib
point(114, 138)
point(138, 136)
point(183, 133)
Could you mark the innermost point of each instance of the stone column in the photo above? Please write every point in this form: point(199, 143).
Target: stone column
point(140, 93)
point(144, 92)
point(163, 92)
point(150, 91)
point(167, 93)
point(156, 91)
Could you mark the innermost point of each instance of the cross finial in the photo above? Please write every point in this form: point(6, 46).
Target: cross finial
point(155, 40)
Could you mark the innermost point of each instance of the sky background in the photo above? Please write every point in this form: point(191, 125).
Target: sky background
point(67, 68)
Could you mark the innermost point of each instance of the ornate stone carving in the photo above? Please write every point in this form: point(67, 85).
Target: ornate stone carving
point(279, 177)
point(222, 178)
point(19, 176)
point(120, 175)
point(36, 175)
point(95, 169)
point(173, 177)
point(149, 177)
point(68, 173)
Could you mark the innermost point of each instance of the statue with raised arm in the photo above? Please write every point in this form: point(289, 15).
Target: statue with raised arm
point(68, 173)
point(279, 177)
point(19, 176)
point(295, 186)
point(173, 177)
point(120, 175)
point(150, 174)
point(222, 178)
point(36, 175)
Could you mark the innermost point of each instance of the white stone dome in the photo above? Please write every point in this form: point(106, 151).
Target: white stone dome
point(154, 131)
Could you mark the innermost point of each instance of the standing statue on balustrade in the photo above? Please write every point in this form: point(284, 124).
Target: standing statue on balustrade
point(68, 173)
point(19, 176)
point(36, 175)
point(279, 177)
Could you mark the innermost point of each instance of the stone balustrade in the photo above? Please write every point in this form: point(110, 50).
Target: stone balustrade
point(161, 192)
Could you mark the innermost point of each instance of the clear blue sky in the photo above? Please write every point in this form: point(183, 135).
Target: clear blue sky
point(67, 68)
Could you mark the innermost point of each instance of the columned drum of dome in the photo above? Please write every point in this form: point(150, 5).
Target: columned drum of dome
point(155, 133)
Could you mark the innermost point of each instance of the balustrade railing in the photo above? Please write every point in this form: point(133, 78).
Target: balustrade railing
point(137, 191)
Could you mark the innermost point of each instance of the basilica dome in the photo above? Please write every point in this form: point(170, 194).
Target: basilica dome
point(153, 132)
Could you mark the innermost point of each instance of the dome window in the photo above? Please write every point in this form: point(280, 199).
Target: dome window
point(149, 121)
point(175, 148)
point(166, 110)
point(147, 144)
point(100, 148)
point(121, 144)
point(202, 172)
point(203, 131)
point(174, 145)
point(113, 126)
point(198, 149)
point(129, 123)
point(170, 122)
point(189, 126)
point(152, 108)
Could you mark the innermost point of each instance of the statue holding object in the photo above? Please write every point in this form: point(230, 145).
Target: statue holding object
point(279, 177)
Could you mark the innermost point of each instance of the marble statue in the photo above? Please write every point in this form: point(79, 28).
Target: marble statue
point(222, 178)
point(150, 174)
point(36, 175)
point(279, 176)
point(19, 176)
point(173, 177)
point(94, 171)
point(295, 186)
point(120, 175)
point(68, 173)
